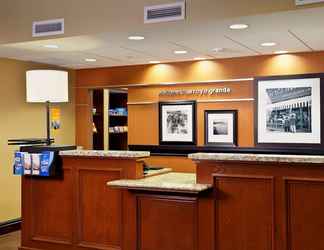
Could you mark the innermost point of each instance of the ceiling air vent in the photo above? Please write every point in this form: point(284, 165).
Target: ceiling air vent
point(48, 27)
point(165, 12)
point(304, 2)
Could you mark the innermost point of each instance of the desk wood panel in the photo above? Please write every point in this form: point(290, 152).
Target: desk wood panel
point(99, 207)
point(166, 222)
point(244, 212)
point(51, 222)
point(304, 206)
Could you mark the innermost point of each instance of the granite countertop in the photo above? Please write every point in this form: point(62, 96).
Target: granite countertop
point(104, 153)
point(258, 157)
point(170, 182)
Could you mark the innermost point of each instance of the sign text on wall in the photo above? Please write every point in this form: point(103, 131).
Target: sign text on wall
point(213, 91)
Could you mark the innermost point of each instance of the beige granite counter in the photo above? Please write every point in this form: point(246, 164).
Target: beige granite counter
point(104, 153)
point(258, 158)
point(170, 182)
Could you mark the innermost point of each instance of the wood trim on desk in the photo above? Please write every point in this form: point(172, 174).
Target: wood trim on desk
point(51, 240)
point(28, 248)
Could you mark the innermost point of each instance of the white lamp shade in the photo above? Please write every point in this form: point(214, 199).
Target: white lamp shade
point(47, 85)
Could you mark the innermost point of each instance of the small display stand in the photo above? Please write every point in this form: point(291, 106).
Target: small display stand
point(35, 159)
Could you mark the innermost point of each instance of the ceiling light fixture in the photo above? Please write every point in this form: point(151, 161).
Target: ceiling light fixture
point(90, 60)
point(51, 46)
point(136, 38)
point(281, 52)
point(154, 62)
point(200, 58)
point(179, 52)
point(268, 44)
point(239, 26)
point(216, 50)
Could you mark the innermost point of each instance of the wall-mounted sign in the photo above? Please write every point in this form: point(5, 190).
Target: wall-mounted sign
point(303, 2)
point(213, 91)
point(55, 118)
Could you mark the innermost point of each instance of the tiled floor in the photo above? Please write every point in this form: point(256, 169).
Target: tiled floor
point(10, 241)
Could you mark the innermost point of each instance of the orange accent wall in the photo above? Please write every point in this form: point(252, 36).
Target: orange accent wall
point(300, 63)
point(143, 122)
point(177, 163)
point(144, 119)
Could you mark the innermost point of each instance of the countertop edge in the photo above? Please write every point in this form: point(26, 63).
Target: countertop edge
point(308, 159)
point(167, 182)
point(105, 154)
point(156, 189)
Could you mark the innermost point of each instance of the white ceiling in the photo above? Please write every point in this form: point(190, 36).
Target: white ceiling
point(295, 31)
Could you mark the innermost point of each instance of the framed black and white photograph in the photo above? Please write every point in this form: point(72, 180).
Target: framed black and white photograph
point(289, 111)
point(221, 127)
point(177, 123)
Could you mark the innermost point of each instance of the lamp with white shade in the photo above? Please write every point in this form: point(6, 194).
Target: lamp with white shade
point(47, 86)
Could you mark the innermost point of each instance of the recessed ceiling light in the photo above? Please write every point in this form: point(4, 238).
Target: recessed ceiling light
point(180, 52)
point(281, 52)
point(90, 60)
point(200, 58)
point(217, 49)
point(268, 44)
point(154, 62)
point(136, 38)
point(239, 26)
point(51, 46)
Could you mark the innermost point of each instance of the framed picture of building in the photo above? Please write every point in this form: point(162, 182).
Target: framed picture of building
point(289, 111)
point(177, 123)
point(221, 128)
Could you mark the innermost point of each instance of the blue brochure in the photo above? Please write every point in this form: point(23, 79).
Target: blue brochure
point(19, 163)
point(46, 161)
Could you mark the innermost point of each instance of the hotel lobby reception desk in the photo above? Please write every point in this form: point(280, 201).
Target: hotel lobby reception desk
point(265, 202)
point(233, 202)
point(78, 210)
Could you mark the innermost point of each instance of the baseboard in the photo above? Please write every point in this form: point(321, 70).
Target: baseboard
point(10, 226)
point(27, 248)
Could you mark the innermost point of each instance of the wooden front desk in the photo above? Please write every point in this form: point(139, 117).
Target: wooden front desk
point(78, 210)
point(266, 205)
point(252, 205)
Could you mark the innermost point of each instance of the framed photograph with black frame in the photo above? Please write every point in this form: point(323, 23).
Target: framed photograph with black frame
point(288, 111)
point(177, 123)
point(221, 128)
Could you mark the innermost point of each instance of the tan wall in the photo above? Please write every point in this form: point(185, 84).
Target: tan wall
point(22, 120)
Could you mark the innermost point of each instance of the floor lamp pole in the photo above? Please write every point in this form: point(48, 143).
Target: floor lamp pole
point(48, 124)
